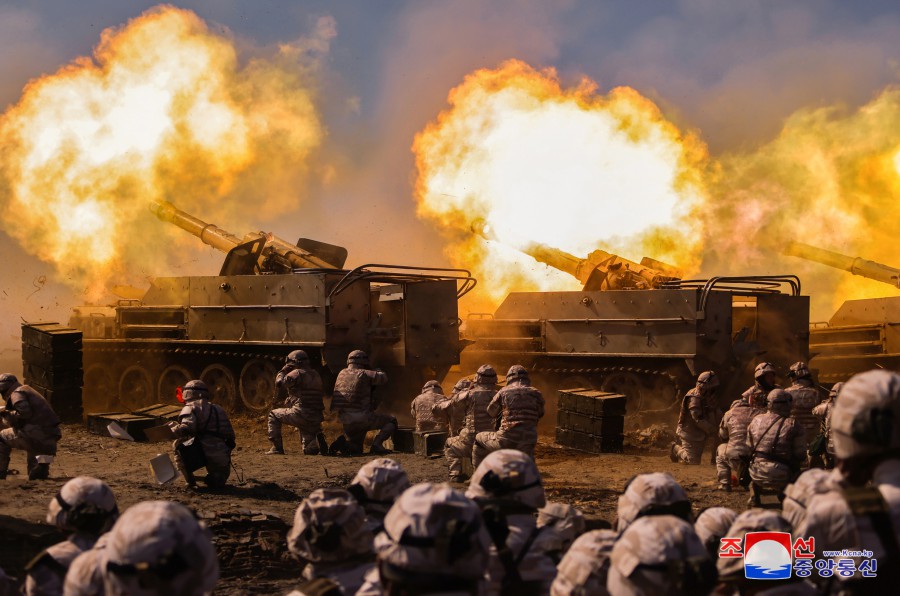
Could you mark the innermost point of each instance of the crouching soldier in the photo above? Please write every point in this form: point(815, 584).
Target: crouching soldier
point(697, 420)
point(33, 427)
point(304, 408)
point(205, 437)
point(777, 448)
point(354, 400)
point(423, 405)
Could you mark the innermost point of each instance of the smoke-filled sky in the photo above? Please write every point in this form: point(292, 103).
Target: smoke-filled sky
point(731, 73)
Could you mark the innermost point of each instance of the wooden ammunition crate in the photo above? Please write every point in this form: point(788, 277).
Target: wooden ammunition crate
point(162, 412)
point(51, 337)
point(403, 440)
point(590, 420)
point(52, 364)
point(429, 443)
point(134, 424)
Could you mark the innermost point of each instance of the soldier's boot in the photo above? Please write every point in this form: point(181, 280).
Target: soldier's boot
point(673, 453)
point(277, 447)
point(383, 435)
point(339, 447)
point(754, 500)
point(323, 443)
point(39, 472)
point(309, 443)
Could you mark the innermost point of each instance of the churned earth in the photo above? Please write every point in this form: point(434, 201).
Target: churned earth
point(250, 517)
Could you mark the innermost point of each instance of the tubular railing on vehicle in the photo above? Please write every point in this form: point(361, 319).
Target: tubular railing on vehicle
point(751, 284)
point(395, 274)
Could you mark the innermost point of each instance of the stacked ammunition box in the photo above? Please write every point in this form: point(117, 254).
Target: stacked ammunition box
point(590, 420)
point(51, 363)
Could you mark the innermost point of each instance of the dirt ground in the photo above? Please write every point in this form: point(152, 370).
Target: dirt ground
point(251, 545)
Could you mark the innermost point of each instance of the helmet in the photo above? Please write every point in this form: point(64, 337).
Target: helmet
point(564, 521)
point(762, 368)
point(158, 547)
point(7, 380)
point(508, 475)
point(711, 525)
point(83, 504)
point(329, 526)
point(378, 484)
point(799, 370)
point(752, 520)
point(585, 565)
point(661, 555)
point(657, 493)
point(708, 380)
point(434, 386)
point(486, 375)
point(779, 401)
point(797, 496)
point(433, 530)
point(835, 390)
point(195, 389)
point(358, 357)
point(866, 418)
point(297, 358)
point(516, 372)
point(462, 385)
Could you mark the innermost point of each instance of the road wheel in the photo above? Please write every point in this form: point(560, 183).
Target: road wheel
point(629, 385)
point(99, 390)
point(257, 385)
point(222, 386)
point(170, 380)
point(136, 388)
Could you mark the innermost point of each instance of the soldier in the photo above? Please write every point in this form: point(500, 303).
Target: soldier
point(291, 362)
point(330, 537)
point(434, 542)
point(712, 525)
point(304, 407)
point(697, 420)
point(376, 486)
point(520, 406)
point(32, 426)
point(354, 400)
point(763, 383)
point(205, 437)
point(475, 400)
point(563, 523)
point(865, 511)
point(652, 494)
point(823, 413)
point(733, 455)
point(660, 555)
point(777, 448)
point(804, 397)
point(797, 495)
point(453, 410)
point(155, 547)
point(584, 568)
point(507, 486)
point(731, 569)
point(84, 506)
point(423, 405)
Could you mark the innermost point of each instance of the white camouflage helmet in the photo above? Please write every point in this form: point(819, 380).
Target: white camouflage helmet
point(378, 483)
point(866, 417)
point(486, 375)
point(508, 475)
point(434, 386)
point(660, 555)
point(462, 385)
point(158, 547)
point(194, 390)
point(565, 521)
point(708, 380)
point(583, 569)
point(779, 401)
point(433, 534)
point(752, 520)
point(762, 368)
point(797, 495)
point(83, 504)
point(297, 358)
point(329, 526)
point(835, 390)
point(517, 372)
point(711, 525)
point(657, 493)
point(799, 370)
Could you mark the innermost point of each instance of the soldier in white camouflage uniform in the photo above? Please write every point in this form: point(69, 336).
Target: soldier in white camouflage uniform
point(520, 407)
point(798, 494)
point(660, 555)
point(423, 405)
point(329, 535)
point(823, 413)
point(697, 420)
point(454, 410)
point(206, 423)
point(563, 524)
point(804, 397)
point(304, 408)
point(657, 493)
point(434, 542)
point(763, 384)
point(731, 570)
point(584, 568)
point(865, 512)
point(32, 427)
point(376, 486)
point(84, 506)
point(733, 454)
point(711, 525)
point(355, 403)
point(155, 547)
point(777, 448)
point(507, 486)
point(475, 400)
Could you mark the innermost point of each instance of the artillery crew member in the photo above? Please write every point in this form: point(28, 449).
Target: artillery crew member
point(84, 506)
point(377, 484)
point(475, 400)
point(823, 413)
point(520, 407)
point(205, 437)
point(777, 448)
point(423, 405)
point(355, 402)
point(453, 410)
point(733, 455)
point(32, 426)
point(584, 568)
point(291, 362)
point(804, 397)
point(304, 407)
point(697, 420)
point(763, 383)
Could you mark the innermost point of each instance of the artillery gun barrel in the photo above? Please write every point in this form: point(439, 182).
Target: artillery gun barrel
point(855, 265)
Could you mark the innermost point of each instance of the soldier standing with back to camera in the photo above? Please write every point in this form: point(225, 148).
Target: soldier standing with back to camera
point(697, 420)
point(304, 407)
point(353, 399)
point(32, 426)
